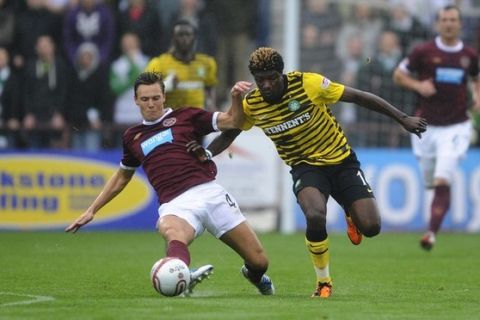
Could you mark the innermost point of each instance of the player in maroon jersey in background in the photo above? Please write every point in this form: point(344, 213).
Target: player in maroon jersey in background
point(190, 200)
point(442, 67)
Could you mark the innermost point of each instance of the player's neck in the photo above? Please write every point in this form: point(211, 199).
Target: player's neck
point(451, 42)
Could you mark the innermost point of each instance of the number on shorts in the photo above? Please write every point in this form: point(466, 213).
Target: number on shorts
point(359, 173)
point(230, 202)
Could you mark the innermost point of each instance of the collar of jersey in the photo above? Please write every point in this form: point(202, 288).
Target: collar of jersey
point(444, 47)
point(149, 123)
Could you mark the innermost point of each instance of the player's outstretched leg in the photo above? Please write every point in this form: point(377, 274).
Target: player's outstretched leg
point(197, 276)
point(265, 285)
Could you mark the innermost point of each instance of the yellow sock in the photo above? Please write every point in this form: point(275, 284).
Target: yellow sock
point(320, 258)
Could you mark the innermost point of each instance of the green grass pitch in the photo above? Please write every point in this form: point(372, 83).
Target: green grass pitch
point(94, 275)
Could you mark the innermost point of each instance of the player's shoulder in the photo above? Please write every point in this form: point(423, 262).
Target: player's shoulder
point(132, 131)
point(252, 96)
point(424, 46)
point(204, 57)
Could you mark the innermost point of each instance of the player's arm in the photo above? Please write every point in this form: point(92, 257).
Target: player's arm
point(476, 94)
point(217, 146)
point(373, 102)
point(401, 77)
point(234, 117)
point(111, 189)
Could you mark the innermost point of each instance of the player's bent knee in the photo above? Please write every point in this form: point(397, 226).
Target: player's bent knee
point(371, 230)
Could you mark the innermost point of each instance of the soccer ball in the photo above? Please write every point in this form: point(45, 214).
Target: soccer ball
point(170, 276)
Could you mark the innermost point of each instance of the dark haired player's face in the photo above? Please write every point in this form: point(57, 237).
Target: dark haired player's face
point(449, 24)
point(271, 85)
point(184, 38)
point(150, 99)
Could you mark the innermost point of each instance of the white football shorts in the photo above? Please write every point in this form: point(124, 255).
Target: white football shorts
point(206, 206)
point(440, 150)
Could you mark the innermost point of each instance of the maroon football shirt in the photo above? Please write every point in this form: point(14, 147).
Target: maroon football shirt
point(160, 149)
point(449, 67)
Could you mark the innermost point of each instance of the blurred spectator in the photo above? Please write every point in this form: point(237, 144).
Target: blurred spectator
point(263, 21)
point(30, 24)
point(235, 40)
point(376, 76)
point(141, 18)
point(194, 11)
point(351, 61)
point(190, 77)
point(43, 96)
point(167, 11)
point(59, 7)
point(123, 73)
point(89, 21)
point(321, 22)
point(364, 25)
point(409, 29)
point(7, 25)
point(10, 109)
point(88, 98)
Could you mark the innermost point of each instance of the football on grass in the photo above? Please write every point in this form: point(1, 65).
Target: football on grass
point(170, 276)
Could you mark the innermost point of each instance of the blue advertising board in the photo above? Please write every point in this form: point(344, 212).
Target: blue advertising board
point(395, 177)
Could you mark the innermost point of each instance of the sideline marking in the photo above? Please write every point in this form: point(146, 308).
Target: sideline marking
point(34, 299)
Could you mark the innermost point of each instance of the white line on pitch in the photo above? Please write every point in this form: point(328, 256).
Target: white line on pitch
point(32, 299)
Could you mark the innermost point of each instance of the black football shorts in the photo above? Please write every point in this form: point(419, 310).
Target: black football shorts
point(345, 182)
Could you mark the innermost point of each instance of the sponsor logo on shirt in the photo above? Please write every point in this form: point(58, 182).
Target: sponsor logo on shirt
point(288, 124)
point(156, 140)
point(449, 75)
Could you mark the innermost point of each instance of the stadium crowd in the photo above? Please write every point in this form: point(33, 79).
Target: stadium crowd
point(67, 65)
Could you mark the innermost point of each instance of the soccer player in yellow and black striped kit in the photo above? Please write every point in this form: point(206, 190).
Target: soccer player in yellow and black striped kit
point(292, 110)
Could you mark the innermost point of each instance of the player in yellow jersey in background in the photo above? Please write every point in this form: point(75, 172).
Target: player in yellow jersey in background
point(292, 110)
point(190, 77)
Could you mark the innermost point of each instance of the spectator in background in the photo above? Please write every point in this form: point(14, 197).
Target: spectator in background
point(321, 22)
point(141, 17)
point(88, 98)
point(352, 59)
point(375, 76)
point(10, 107)
point(235, 40)
point(123, 73)
point(190, 77)
point(7, 25)
point(30, 24)
point(407, 27)
point(194, 11)
point(362, 24)
point(89, 21)
point(43, 96)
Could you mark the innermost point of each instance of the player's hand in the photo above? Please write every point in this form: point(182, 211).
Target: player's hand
point(426, 88)
point(198, 150)
point(415, 125)
point(85, 218)
point(240, 88)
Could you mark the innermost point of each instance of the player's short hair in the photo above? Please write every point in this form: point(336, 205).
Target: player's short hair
point(265, 59)
point(185, 22)
point(149, 78)
point(447, 8)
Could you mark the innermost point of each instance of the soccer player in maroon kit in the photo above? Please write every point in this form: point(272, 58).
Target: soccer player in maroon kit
point(190, 200)
point(438, 71)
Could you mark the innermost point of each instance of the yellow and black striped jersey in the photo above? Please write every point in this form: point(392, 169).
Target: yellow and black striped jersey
point(192, 78)
point(301, 125)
